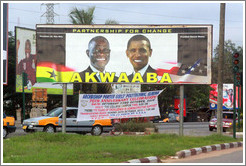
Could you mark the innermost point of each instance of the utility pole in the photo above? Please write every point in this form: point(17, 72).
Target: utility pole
point(220, 69)
point(49, 14)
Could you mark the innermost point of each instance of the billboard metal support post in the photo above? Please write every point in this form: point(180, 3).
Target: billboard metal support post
point(64, 107)
point(23, 94)
point(181, 111)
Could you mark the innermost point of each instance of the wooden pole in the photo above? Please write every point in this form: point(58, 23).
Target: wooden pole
point(220, 69)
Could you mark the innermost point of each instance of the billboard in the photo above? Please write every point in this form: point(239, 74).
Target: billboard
point(151, 54)
point(5, 44)
point(228, 97)
point(26, 61)
point(114, 106)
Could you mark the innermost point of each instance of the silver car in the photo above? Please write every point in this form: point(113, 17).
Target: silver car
point(52, 122)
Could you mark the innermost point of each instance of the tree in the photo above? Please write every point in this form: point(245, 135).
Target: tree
point(229, 50)
point(197, 96)
point(109, 21)
point(82, 16)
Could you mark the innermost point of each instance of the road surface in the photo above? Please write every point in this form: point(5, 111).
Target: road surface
point(190, 129)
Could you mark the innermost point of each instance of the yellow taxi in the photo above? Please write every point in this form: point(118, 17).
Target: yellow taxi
point(52, 122)
point(8, 125)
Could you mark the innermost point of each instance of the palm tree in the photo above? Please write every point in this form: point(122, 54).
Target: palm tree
point(82, 16)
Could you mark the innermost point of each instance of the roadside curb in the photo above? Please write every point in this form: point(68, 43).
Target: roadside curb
point(151, 159)
point(237, 133)
point(205, 149)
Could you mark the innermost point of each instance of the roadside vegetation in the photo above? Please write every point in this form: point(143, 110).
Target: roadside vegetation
point(74, 148)
point(237, 129)
point(132, 126)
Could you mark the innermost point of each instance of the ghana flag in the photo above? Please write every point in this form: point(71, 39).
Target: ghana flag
point(52, 72)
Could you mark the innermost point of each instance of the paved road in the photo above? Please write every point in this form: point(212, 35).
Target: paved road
point(190, 128)
point(233, 155)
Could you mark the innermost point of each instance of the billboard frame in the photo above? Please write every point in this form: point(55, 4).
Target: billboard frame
point(64, 29)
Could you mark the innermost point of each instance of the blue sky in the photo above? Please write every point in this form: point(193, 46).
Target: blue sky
point(26, 14)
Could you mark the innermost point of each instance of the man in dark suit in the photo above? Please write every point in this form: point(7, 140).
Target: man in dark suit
point(139, 51)
point(99, 54)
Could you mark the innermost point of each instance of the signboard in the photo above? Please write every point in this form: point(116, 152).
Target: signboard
point(5, 44)
point(126, 88)
point(177, 106)
point(228, 93)
point(114, 106)
point(166, 54)
point(39, 95)
point(26, 61)
point(39, 105)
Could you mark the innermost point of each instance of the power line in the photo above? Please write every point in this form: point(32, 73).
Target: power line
point(128, 11)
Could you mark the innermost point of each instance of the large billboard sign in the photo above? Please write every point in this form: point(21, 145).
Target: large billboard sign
point(167, 54)
point(26, 61)
point(228, 97)
point(114, 106)
point(5, 44)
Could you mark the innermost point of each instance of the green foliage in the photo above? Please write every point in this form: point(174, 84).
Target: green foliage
point(133, 126)
point(82, 16)
point(229, 49)
point(43, 147)
point(197, 96)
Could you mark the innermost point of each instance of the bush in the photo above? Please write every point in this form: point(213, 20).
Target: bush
point(137, 127)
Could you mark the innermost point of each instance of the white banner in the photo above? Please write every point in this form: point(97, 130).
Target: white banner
point(115, 106)
point(126, 88)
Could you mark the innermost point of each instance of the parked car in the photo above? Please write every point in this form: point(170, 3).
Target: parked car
point(52, 122)
point(227, 121)
point(8, 125)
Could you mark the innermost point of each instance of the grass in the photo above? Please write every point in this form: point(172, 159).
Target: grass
point(74, 148)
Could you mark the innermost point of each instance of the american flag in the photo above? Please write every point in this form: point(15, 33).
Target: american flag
point(186, 73)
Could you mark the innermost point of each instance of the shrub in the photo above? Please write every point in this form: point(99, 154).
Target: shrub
point(132, 126)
